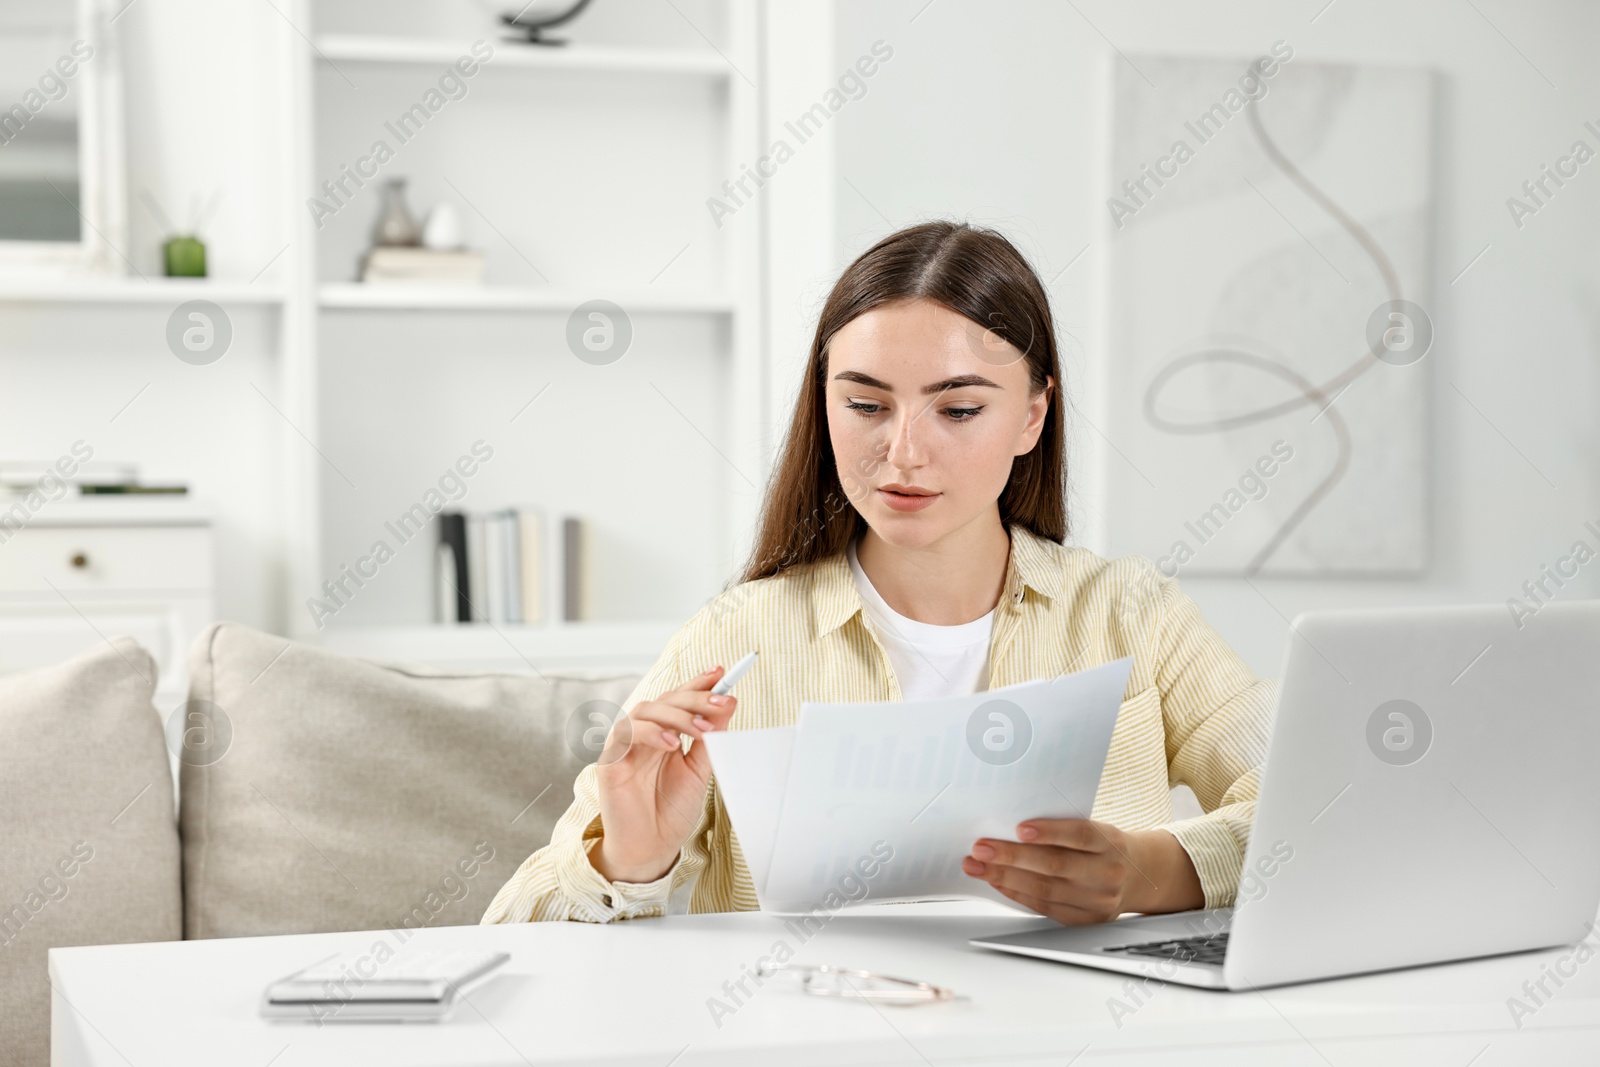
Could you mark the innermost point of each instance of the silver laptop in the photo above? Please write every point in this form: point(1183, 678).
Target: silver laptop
point(1427, 796)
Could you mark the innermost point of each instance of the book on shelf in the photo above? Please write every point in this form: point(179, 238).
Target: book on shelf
point(88, 478)
point(445, 607)
point(23, 476)
point(531, 553)
point(511, 570)
point(383, 266)
point(573, 566)
point(132, 489)
point(450, 570)
point(477, 568)
point(519, 565)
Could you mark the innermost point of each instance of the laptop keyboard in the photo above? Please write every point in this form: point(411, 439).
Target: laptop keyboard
point(1209, 948)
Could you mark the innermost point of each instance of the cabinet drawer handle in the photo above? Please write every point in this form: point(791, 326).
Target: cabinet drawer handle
point(80, 560)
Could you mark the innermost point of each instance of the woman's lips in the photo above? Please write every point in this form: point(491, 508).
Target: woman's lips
point(903, 502)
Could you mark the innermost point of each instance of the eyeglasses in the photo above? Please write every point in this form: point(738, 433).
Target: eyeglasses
point(821, 980)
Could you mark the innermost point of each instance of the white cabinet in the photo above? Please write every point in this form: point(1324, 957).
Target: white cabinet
point(83, 571)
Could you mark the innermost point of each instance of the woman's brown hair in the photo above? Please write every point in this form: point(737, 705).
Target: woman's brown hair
point(974, 272)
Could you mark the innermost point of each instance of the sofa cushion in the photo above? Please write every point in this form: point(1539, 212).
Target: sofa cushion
point(90, 846)
point(332, 793)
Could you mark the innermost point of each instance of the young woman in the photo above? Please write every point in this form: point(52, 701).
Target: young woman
point(911, 547)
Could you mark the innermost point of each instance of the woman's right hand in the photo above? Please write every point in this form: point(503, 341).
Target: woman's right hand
point(652, 793)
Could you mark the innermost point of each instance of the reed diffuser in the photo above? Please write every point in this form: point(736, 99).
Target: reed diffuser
point(183, 255)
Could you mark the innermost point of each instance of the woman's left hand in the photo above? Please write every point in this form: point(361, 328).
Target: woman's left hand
point(1078, 871)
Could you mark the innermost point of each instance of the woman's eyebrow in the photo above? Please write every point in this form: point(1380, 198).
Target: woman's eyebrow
point(958, 382)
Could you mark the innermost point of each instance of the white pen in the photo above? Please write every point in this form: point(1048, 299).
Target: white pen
point(735, 674)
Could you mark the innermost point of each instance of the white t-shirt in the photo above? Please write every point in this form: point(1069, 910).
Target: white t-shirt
point(928, 660)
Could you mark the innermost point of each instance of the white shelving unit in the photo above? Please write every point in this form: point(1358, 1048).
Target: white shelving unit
point(705, 314)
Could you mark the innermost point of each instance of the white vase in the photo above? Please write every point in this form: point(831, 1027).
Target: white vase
point(442, 231)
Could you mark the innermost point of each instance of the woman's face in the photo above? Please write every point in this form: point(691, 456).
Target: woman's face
point(926, 411)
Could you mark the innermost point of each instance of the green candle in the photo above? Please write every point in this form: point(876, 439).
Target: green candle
point(186, 258)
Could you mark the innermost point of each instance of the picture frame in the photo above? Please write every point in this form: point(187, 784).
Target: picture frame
point(97, 83)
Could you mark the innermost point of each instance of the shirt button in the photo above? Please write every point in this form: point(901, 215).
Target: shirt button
point(606, 900)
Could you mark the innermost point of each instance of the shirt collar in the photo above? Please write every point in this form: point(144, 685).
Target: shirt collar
point(1032, 564)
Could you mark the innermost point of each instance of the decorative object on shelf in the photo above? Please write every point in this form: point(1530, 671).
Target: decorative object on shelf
point(405, 252)
point(183, 255)
point(540, 15)
point(442, 232)
point(396, 227)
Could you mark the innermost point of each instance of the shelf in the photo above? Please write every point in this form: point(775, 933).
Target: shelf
point(425, 297)
point(517, 649)
point(134, 291)
point(363, 49)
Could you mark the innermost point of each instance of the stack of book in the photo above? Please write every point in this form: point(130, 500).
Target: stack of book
point(89, 478)
point(513, 565)
point(385, 265)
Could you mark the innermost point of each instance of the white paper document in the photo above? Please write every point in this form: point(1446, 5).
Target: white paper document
point(880, 801)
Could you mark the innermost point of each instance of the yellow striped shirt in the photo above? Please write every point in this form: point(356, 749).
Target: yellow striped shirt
point(1193, 712)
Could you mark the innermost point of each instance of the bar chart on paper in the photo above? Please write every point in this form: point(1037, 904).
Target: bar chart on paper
point(903, 789)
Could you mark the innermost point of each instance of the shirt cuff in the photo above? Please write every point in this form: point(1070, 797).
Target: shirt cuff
point(595, 899)
point(1215, 854)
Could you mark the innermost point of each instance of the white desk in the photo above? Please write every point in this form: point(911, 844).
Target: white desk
point(636, 993)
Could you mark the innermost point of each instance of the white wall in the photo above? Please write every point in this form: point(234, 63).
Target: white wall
point(995, 112)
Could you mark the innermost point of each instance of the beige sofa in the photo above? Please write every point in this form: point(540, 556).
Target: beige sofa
point(317, 792)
